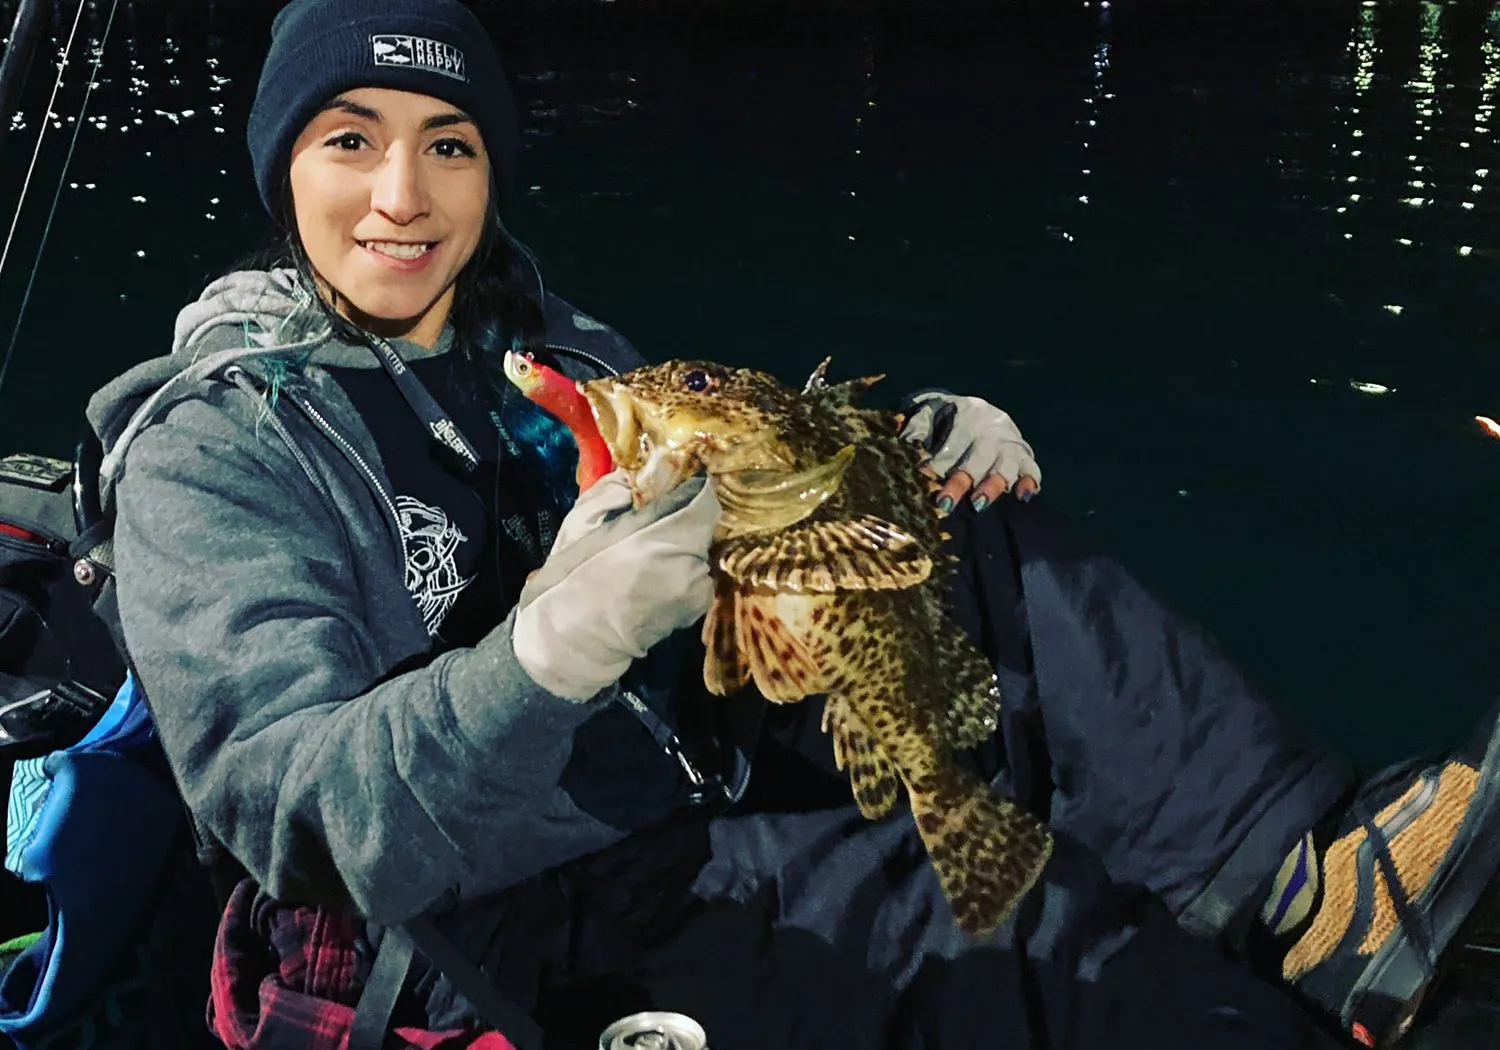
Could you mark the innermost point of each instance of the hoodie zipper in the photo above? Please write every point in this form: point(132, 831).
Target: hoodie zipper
point(596, 361)
point(353, 454)
point(236, 375)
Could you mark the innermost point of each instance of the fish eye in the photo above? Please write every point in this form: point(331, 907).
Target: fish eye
point(697, 380)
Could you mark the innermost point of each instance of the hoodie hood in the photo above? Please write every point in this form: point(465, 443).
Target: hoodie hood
point(243, 317)
point(238, 316)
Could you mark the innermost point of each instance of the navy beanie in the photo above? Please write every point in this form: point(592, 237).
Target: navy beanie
point(320, 48)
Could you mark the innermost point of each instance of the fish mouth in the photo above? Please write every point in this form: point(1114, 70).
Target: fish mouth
point(652, 465)
point(614, 414)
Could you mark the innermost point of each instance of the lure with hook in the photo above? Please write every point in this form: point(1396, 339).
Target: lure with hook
point(559, 395)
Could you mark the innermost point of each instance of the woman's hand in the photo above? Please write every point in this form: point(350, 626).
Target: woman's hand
point(974, 448)
point(617, 582)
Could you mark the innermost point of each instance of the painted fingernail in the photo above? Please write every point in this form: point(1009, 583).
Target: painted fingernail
point(945, 505)
point(980, 502)
point(1026, 496)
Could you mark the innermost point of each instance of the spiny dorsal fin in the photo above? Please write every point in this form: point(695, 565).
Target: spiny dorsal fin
point(818, 380)
point(842, 395)
point(836, 395)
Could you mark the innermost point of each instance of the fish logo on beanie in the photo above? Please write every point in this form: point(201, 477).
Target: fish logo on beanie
point(416, 52)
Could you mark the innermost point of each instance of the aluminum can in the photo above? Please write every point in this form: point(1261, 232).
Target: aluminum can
point(654, 1030)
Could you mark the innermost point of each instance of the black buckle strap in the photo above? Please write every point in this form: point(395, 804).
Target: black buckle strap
point(372, 1015)
point(1415, 922)
point(47, 717)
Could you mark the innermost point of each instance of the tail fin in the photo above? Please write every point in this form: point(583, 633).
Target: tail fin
point(987, 851)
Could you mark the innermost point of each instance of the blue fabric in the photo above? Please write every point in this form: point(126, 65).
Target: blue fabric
point(100, 846)
point(1128, 726)
point(28, 791)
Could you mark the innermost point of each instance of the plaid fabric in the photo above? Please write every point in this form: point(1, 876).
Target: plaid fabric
point(287, 978)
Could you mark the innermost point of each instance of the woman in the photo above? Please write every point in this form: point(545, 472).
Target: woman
point(326, 515)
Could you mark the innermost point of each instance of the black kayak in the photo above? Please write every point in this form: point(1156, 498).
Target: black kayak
point(1463, 1009)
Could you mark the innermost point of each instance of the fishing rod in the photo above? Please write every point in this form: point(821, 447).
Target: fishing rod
point(29, 22)
point(19, 49)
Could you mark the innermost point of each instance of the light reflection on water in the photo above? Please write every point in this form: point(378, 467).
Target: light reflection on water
point(1233, 272)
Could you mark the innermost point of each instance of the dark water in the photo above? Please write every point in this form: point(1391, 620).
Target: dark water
point(1230, 266)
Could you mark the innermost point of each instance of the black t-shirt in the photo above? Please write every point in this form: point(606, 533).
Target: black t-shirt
point(463, 569)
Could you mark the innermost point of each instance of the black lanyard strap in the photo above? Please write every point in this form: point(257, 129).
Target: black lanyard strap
point(425, 406)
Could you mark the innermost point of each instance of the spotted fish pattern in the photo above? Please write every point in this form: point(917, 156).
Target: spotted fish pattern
point(830, 575)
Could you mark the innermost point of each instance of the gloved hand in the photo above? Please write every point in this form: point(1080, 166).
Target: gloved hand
point(617, 582)
point(970, 441)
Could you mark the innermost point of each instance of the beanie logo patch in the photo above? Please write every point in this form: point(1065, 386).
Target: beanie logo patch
point(416, 52)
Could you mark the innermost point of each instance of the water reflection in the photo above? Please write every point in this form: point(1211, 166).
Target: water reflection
point(1144, 231)
point(864, 111)
point(1489, 50)
point(1362, 47)
point(1089, 121)
point(1414, 148)
point(1402, 135)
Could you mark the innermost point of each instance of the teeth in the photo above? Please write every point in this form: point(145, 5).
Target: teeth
point(397, 250)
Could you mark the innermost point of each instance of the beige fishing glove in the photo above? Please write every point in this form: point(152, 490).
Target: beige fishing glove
point(617, 581)
point(976, 448)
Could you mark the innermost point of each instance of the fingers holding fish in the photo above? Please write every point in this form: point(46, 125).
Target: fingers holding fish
point(974, 448)
point(995, 454)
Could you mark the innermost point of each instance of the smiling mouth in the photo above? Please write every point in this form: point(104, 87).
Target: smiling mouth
point(405, 250)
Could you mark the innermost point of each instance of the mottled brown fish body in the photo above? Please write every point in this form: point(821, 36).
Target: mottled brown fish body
point(830, 579)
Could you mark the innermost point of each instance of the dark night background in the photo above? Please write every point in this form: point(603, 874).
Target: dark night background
point(1230, 265)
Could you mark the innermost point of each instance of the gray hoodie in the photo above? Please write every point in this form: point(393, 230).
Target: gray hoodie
point(262, 596)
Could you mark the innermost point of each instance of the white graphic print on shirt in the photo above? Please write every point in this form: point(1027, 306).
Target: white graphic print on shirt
point(430, 543)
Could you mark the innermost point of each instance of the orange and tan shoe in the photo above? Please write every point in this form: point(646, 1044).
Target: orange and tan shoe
point(1430, 831)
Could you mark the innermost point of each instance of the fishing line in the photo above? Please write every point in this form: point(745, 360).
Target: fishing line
point(526, 253)
point(62, 177)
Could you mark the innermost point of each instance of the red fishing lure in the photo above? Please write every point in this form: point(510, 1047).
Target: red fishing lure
point(558, 395)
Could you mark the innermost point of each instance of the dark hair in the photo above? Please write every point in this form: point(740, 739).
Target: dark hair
point(497, 306)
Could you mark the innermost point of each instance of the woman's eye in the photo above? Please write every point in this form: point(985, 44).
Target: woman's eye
point(349, 140)
point(454, 148)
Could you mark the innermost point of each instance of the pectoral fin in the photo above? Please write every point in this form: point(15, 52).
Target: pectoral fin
point(783, 668)
point(865, 554)
point(724, 670)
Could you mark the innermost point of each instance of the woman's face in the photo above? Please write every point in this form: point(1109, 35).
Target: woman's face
point(390, 191)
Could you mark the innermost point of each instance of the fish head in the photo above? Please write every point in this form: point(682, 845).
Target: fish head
point(664, 423)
